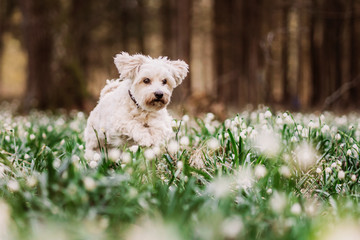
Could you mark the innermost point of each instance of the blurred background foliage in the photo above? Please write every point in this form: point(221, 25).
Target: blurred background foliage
point(295, 54)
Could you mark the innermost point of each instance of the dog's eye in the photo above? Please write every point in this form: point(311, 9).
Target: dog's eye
point(146, 81)
point(164, 81)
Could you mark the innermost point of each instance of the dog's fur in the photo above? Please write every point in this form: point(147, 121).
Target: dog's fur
point(131, 109)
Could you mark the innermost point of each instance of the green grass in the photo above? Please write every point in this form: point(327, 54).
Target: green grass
point(255, 176)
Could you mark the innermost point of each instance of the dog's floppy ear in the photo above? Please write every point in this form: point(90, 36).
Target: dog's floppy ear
point(128, 65)
point(179, 70)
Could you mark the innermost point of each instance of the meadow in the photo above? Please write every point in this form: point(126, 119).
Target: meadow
point(257, 175)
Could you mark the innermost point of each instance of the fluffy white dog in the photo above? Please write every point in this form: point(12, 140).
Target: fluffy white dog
point(132, 109)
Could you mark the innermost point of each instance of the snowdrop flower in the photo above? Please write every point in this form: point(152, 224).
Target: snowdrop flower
point(134, 148)
point(268, 143)
point(305, 156)
point(349, 152)
point(341, 175)
point(96, 157)
point(267, 114)
point(318, 171)
point(93, 164)
point(305, 133)
point(296, 209)
point(219, 187)
point(32, 137)
point(179, 164)
point(89, 184)
point(7, 138)
point(156, 150)
point(278, 202)
point(333, 165)
point(260, 171)
point(328, 170)
point(184, 141)
point(31, 181)
point(231, 227)
point(173, 147)
point(149, 154)
point(311, 124)
point(269, 191)
point(26, 156)
point(13, 186)
point(61, 143)
point(279, 121)
point(152, 229)
point(126, 157)
point(325, 129)
point(285, 171)
point(114, 154)
point(57, 163)
point(213, 144)
point(337, 137)
point(81, 147)
point(353, 178)
point(294, 139)
point(185, 118)
point(244, 178)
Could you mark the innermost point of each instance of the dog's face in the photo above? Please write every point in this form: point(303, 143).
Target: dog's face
point(153, 80)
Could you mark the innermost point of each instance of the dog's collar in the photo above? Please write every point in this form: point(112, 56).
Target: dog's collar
point(133, 99)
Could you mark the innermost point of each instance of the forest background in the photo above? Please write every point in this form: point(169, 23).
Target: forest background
point(300, 55)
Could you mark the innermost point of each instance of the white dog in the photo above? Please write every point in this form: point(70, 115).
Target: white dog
point(132, 109)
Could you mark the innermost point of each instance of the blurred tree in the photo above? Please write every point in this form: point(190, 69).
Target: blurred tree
point(38, 23)
point(6, 9)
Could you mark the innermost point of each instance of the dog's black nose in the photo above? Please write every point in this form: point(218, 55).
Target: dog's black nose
point(159, 94)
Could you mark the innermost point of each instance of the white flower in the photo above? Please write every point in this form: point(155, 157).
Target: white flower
point(213, 144)
point(7, 138)
point(349, 152)
point(337, 137)
point(179, 164)
point(305, 156)
point(61, 143)
point(156, 150)
point(134, 148)
point(219, 187)
point(13, 186)
point(31, 181)
point(56, 163)
point(93, 164)
point(341, 175)
point(244, 178)
point(260, 171)
point(89, 183)
point(278, 202)
point(325, 129)
point(173, 147)
point(43, 136)
point(26, 156)
point(32, 137)
point(126, 157)
point(311, 124)
point(185, 118)
point(81, 147)
point(96, 157)
point(353, 178)
point(184, 141)
point(285, 171)
point(267, 142)
point(269, 191)
point(267, 114)
point(114, 154)
point(333, 165)
point(296, 209)
point(328, 170)
point(149, 154)
point(231, 227)
point(279, 121)
point(318, 171)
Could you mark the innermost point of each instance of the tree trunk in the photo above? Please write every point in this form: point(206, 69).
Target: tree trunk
point(39, 42)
